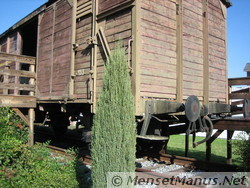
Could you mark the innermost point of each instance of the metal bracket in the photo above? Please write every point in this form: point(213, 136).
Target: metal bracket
point(157, 107)
point(92, 40)
point(148, 116)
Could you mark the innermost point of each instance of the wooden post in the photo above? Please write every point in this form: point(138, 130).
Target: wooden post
point(205, 52)
point(73, 41)
point(229, 146)
point(208, 151)
point(136, 55)
point(31, 126)
point(94, 57)
point(186, 144)
point(6, 80)
point(179, 52)
point(209, 142)
point(31, 111)
point(17, 78)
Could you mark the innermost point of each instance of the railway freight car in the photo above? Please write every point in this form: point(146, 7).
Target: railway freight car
point(176, 51)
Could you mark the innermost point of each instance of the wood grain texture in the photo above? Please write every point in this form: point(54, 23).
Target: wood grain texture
point(217, 52)
point(105, 5)
point(53, 69)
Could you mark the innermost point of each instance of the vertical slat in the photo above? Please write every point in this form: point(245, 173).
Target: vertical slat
point(17, 67)
point(205, 52)
point(31, 126)
point(31, 110)
point(94, 57)
point(6, 80)
point(73, 41)
point(229, 146)
point(37, 47)
point(136, 55)
point(52, 50)
point(179, 51)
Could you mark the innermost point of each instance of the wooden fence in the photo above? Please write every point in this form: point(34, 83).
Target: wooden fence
point(17, 80)
point(237, 97)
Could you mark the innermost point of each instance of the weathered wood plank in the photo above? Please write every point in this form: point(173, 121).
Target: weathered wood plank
point(18, 101)
point(19, 73)
point(239, 81)
point(239, 96)
point(106, 5)
point(25, 87)
point(17, 58)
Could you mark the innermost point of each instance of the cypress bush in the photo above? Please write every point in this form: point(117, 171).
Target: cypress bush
point(114, 128)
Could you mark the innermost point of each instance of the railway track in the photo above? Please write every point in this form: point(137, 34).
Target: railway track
point(160, 166)
point(69, 141)
point(161, 160)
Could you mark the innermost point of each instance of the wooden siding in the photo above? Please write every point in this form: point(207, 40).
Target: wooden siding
point(105, 5)
point(217, 52)
point(83, 57)
point(192, 49)
point(158, 55)
point(117, 27)
point(54, 49)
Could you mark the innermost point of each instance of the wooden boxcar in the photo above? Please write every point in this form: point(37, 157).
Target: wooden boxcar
point(175, 49)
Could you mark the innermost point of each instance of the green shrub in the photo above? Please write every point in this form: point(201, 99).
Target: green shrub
point(242, 148)
point(114, 129)
point(13, 136)
point(36, 168)
point(22, 166)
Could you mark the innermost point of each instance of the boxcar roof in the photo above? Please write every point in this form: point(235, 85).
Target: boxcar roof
point(227, 3)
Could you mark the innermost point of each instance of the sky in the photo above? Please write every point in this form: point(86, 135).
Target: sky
point(238, 28)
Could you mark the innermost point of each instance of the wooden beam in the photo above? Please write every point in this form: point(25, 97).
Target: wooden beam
point(93, 94)
point(232, 124)
point(205, 52)
point(136, 56)
point(104, 42)
point(247, 90)
point(209, 142)
point(19, 58)
point(20, 73)
point(21, 115)
point(31, 126)
point(239, 96)
point(235, 103)
point(5, 81)
point(25, 87)
point(229, 146)
point(239, 81)
point(179, 51)
point(73, 41)
point(17, 101)
point(186, 144)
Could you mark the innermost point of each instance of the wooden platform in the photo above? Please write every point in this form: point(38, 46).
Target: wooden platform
point(17, 81)
point(229, 125)
point(17, 101)
point(232, 124)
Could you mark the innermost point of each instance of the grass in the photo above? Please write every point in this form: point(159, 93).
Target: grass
point(176, 146)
